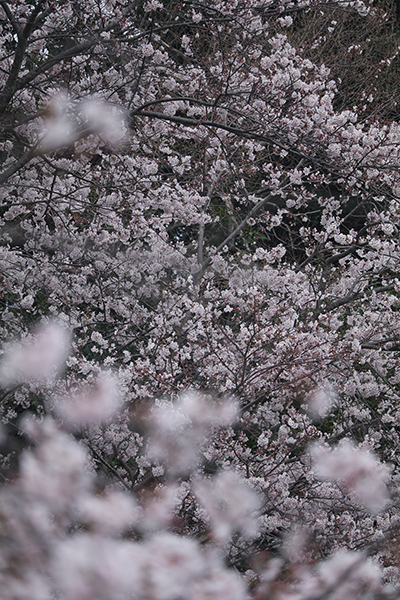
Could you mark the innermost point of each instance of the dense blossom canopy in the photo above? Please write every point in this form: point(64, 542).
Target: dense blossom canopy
point(199, 254)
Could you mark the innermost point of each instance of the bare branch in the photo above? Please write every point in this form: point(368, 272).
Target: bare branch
point(10, 17)
point(254, 211)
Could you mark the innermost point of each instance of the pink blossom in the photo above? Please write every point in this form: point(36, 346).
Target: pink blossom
point(358, 470)
point(39, 358)
point(230, 504)
point(96, 403)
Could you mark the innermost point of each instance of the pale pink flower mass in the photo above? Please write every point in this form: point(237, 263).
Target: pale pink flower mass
point(39, 358)
point(356, 469)
point(92, 404)
point(200, 299)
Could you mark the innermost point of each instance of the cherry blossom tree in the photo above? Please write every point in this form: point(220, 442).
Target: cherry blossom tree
point(199, 260)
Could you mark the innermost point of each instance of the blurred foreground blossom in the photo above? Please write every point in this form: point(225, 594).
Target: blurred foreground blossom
point(40, 358)
point(59, 129)
point(93, 404)
point(321, 402)
point(343, 576)
point(55, 473)
point(177, 430)
point(231, 506)
point(178, 567)
point(159, 507)
point(88, 567)
point(67, 121)
point(62, 540)
point(110, 513)
point(295, 543)
point(349, 570)
point(164, 567)
point(103, 119)
point(358, 470)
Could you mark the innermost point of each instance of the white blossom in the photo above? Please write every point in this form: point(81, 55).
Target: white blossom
point(230, 504)
point(92, 404)
point(358, 470)
point(39, 358)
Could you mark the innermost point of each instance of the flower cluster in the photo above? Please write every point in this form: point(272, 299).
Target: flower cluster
point(199, 260)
